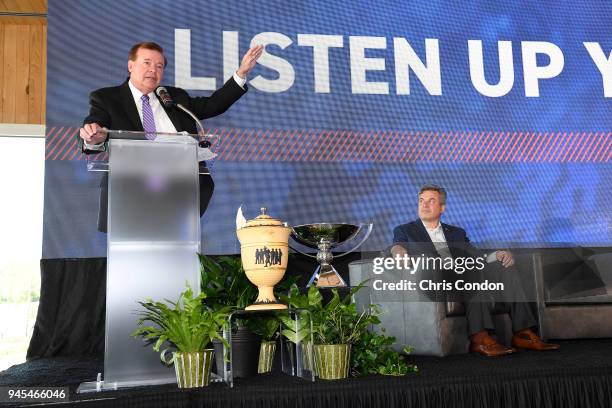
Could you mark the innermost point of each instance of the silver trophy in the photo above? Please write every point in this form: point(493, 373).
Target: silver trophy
point(325, 237)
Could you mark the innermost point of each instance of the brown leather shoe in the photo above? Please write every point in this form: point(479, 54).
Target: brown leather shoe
point(482, 343)
point(527, 339)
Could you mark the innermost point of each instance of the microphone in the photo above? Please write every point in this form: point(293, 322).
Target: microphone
point(165, 97)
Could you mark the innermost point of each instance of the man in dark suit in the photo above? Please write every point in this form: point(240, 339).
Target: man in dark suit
point(429, 237)
point(134, 106)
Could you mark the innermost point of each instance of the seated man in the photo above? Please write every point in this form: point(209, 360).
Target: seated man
point(429, 237)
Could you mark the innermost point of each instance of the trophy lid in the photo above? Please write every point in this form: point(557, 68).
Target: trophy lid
point(264, 220)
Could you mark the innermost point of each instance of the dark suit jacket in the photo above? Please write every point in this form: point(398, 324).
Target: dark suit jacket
point(414, 238)
point(114, 108)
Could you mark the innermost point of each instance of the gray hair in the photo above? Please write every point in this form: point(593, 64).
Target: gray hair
point(437, 189)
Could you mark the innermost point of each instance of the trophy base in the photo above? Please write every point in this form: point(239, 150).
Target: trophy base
point(266, 306)
point(328, 279)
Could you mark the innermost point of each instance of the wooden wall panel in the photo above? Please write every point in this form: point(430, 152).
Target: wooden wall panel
point(43, 77)
point(23, 62)
point(34, 90)
point(2, 59)
point(10, 74)
point(23, 20)
point(23, 56)
point(24, 6)
point(22, 74)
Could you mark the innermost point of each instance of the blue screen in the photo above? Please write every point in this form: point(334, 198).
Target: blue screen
point(353, 107)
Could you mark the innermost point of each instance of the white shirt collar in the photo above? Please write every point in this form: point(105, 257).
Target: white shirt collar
point(137, 94)
point(435, 229)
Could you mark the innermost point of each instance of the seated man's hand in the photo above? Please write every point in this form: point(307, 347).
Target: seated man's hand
point(93, 134)
point(398, 250)
point(505, 257)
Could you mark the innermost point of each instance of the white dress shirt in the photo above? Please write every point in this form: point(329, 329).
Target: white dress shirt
point(435, 234)
point(163, 124)
point(439, 240)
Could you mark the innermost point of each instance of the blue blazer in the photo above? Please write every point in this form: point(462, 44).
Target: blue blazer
point(414, 238)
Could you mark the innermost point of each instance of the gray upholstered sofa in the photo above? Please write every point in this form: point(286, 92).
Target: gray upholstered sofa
point(571, 289)
point(431, 328)
point(574, 292)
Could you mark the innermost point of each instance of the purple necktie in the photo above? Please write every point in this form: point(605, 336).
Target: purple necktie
point(148, 122)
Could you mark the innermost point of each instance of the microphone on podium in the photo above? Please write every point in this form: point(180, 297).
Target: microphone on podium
point(168, 102)
point(165, 97)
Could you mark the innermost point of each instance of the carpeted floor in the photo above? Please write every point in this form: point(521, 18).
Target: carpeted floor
point(579, 375)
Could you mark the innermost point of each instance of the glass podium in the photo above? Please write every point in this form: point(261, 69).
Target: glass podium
point(153, 239)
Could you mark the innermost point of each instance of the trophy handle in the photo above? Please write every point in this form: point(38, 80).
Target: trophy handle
point(303, 253)
point(367, 235)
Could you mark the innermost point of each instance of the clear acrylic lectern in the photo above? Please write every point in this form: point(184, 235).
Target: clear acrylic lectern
point(153, 240)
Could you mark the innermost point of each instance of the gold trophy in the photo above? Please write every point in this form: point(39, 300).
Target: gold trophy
point(264, 251)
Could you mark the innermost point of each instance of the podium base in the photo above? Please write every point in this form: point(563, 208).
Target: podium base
point(100, 386)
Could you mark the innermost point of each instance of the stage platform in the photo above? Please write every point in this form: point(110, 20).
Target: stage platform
point(579, 375)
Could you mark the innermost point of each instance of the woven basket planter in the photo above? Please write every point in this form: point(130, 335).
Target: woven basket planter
point(266, 356)
point(193, 369)
point(332, 360)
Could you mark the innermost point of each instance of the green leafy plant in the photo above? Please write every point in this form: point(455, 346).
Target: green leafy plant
point(268, 326)
point(298, 330)
point(339, 321)
point(336, 322)
point(265, 326)
point(186, 325)
point(372, 354)
point(224, 282)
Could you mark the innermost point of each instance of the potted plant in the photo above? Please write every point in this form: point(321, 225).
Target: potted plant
point(268, 328)
point(188, 327)
point(341, 336)
point(336, 325)
point(225, 284)
point(299, 330)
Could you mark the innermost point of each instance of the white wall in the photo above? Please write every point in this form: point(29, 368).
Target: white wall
point(22, 155)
